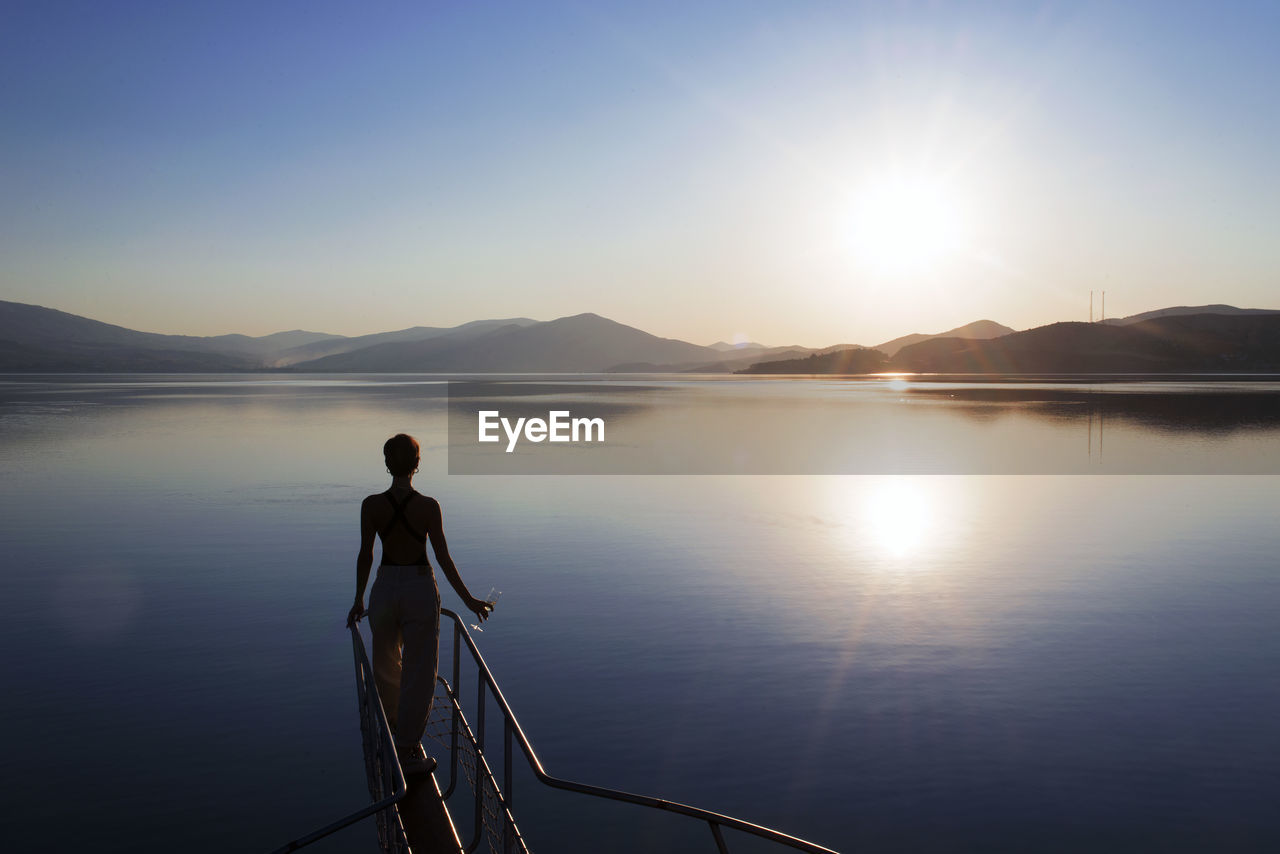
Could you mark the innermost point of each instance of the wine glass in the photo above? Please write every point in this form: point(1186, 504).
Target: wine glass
point(492, 599)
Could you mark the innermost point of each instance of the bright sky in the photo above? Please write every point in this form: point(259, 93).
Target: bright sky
point(786, 172)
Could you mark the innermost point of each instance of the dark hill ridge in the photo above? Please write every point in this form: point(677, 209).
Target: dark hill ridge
point(750, 356)
point(1186, 309)
point(1174, 344)
point(978, 329)
point(858, 360)
point(729, 362)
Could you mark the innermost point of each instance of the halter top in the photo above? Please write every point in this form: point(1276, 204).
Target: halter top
point(398, 518)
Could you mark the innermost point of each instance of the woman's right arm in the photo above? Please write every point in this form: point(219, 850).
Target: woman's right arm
point(364, 561)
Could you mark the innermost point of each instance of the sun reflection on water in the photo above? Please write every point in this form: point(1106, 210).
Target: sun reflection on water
point(891, 517)
point(898, 514)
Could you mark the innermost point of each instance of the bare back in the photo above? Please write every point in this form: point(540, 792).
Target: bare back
point(404, 521)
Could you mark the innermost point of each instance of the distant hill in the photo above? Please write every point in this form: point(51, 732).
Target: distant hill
point(35, 338)
point(761, 362)
point(91, 358)
point(332, 346)
point(725, 346)
point(727, 362)
point(979, 329)
point(1176, 311)
point(581, 343)
point(732, 362)
point(37, 326)
point(265, 347)
point(859, 360)
point(1172, 344)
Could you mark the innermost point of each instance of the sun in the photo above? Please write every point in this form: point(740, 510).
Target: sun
point(904, 224)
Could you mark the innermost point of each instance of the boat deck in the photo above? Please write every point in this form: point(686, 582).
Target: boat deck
point(426, 820)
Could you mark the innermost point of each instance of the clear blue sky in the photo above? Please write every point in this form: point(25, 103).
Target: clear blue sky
point(699, 170)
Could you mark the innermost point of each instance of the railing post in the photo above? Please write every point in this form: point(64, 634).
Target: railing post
point(478, 822)
point(715, 831)
point(508, 832)
point(454, 721)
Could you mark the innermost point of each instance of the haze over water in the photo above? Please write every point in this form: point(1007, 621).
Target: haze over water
point(875, 662)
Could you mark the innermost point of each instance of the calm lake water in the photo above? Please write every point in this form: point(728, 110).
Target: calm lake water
point(956, 650)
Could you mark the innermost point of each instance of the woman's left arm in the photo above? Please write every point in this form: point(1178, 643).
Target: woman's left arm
point(440, 547)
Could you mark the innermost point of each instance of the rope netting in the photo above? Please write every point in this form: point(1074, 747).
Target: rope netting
point(440, 730)
point(378, 764)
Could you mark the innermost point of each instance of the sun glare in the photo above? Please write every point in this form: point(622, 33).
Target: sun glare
point(893, 517)
point(897, 517)
point(906, 224)
point(893, 520)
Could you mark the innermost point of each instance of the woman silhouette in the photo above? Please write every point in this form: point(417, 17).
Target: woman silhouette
point(404, 605)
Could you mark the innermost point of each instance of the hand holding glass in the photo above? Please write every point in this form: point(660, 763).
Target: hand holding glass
point(492, 599)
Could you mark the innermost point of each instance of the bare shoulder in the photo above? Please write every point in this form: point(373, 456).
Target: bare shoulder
point(373, 504)
point(426, 510)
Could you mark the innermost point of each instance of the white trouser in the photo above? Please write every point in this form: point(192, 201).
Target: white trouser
point(404, 616)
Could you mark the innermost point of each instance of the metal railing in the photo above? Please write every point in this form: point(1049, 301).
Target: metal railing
point(511, 839)
point(382, 766)
point(387, 784)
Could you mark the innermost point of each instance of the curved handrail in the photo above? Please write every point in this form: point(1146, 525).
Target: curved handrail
point(364, 671)
point(714, 819)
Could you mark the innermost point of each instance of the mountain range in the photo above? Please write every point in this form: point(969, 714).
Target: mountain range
point(1175, 342)
point(38, 339)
